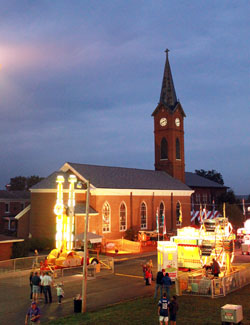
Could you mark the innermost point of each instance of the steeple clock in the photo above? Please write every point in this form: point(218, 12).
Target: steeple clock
point(169, 129)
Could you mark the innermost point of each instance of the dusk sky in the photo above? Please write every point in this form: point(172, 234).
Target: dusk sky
point(79, 81)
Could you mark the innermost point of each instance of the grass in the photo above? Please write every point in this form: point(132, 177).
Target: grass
point(192, 311)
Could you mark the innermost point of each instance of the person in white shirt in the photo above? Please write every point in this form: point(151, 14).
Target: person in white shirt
point(46, 283)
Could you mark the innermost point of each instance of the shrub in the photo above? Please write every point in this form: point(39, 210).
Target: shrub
point(20, 249)
point(41, 244)
point(131, 233)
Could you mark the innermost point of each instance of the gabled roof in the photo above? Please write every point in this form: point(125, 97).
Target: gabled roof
point(115, 178)
point(14, 195)
point(194, 180)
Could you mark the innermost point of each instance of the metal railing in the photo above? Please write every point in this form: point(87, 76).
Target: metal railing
point(196, 283)
point(21, 264)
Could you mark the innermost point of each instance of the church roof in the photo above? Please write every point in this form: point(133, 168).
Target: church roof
point(194, 180)
point(115, 178)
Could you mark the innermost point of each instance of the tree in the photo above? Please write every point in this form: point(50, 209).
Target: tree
point(21, 183)
point(213, 175)
point(228, 197)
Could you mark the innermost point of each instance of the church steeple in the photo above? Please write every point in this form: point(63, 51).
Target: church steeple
point(169, 129)
point(168, 95)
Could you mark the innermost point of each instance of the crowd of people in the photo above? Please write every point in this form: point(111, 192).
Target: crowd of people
point(167, 306)
point(41, 286)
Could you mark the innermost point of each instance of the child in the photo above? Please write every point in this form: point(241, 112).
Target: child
point(59, 293)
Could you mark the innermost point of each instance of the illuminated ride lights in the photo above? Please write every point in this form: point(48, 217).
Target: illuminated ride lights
point(217, 241)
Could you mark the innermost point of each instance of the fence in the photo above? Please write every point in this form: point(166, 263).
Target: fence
point(195, 283)
point(121, 245)
point(20, 264)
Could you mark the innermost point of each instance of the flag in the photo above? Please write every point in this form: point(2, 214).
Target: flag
point(164, 225)
point(205, 212)
point(157, 221)
point(200, 213)
point(180, 215)
point(243, 207)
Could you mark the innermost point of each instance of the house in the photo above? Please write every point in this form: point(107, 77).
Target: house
point(11, 203)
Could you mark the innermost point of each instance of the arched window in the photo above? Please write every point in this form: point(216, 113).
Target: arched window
point(164, 149)
point(162, 214)
point(123, 217)
point(178, 149)
point(178, 214)
point(143, 216)
point(106, 217)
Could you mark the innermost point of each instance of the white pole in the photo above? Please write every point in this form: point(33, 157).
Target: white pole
point(84, 280)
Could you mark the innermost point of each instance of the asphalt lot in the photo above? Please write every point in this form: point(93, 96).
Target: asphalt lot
point(107, 289)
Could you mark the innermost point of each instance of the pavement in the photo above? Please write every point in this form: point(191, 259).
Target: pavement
point(106, 289)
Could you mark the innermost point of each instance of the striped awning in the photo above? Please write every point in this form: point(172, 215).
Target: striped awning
point(210, 215)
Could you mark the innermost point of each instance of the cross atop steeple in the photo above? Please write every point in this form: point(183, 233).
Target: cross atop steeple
point(168, 95)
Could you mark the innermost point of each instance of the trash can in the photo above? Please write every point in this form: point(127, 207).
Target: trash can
point(77, 305)
point(231, 314)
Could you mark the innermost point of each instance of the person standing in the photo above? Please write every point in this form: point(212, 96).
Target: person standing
point(47, 282)
point(215, 268)
point(173, 308)
point(33, 314)
point(41, 286)
point(158, 283)
point(59, 293)
point(35, 286)
point(163, 309)
point(31, 289)
point(166, 283)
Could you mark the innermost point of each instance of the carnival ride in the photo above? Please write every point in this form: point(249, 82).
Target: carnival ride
point(196, 248)
point(63, 256)
point(217, 242)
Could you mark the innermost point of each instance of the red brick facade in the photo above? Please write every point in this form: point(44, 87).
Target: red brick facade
point(43, 219)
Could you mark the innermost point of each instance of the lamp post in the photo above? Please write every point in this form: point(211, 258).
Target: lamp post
point(84, 270)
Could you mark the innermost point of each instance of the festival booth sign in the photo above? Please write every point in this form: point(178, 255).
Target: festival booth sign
point(168, 258)
point(187, 240)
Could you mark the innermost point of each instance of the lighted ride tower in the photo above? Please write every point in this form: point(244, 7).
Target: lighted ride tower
point(65, 222)
point(217, 241)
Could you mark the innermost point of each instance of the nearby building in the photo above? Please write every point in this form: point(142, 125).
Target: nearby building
point(121, 198)
point(11, 203)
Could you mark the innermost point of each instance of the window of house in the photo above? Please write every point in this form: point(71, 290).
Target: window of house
point(106, 217)
point(22, 206)
point(204, 198)
point(198, 198)
point(123, 217)
point(7, 207)
point(161, 216)
point(164, 149)
point(178, 149)
point(143, 216)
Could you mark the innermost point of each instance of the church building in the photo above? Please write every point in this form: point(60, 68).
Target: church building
point(123, 198)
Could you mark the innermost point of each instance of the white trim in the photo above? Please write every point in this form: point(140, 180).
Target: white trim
point(67, 167)
point(146, 215)
point(139, 192)
point(126, 219)
point(22, 213)
point(109, 231)
point(10, 241)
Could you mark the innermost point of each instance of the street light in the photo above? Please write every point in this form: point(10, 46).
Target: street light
point(84, 270)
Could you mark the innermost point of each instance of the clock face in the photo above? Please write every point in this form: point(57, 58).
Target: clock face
point(163, 121)
point(177, 121)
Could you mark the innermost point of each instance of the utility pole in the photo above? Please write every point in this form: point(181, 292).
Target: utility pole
point(84, 280)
